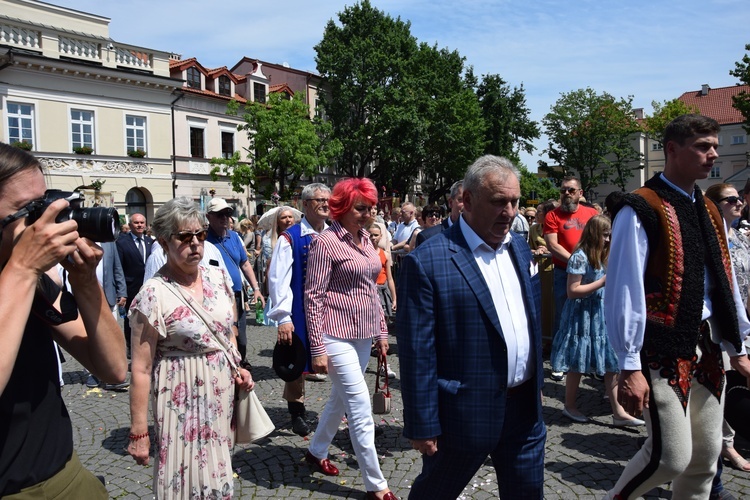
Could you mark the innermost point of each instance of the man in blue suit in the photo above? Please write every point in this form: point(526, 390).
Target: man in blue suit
point(469, 344)
point(133, 249)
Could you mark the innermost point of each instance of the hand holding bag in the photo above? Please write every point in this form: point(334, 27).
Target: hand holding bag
point(381, 398)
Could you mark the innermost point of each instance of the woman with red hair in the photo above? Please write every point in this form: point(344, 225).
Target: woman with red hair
point(343, 315)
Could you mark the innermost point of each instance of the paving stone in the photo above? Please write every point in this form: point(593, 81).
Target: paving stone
point(582, 460)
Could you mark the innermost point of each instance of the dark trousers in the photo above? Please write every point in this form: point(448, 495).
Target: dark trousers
point(518, 458)
point(242, 324)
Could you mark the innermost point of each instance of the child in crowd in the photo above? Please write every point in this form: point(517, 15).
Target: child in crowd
point(581, 345)
point(386, 285)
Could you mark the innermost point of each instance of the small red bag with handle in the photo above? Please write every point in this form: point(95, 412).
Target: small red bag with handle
point(381, 398)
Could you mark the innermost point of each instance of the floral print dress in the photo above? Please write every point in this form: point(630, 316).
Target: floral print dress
point(192, 388)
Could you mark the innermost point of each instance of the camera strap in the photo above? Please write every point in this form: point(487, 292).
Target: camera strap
point(44, 308)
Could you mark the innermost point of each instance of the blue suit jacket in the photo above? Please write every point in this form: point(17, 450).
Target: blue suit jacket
point(132, 262)
point(453, 357)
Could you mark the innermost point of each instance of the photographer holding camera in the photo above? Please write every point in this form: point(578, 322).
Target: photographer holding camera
point(37, 459)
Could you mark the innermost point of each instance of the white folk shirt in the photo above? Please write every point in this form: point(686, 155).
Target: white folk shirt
point(625, 297)
point(500, 276)
point(279, 277)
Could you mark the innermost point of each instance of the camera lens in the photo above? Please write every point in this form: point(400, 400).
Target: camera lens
point(97, 224)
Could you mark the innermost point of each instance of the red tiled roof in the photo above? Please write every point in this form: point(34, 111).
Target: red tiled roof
point(280, 87)
point(717, 103)
point(209, 93)
point(183, 64)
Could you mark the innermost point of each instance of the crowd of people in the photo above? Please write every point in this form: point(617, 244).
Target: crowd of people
point(460, 285)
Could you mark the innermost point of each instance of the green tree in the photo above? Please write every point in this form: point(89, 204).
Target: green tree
point(534, 187)
point(741, 101)
point(285, 146)
point(591, 136)
point(509, 129)
point(365, 62)
point(453, 133)
point(663, 114)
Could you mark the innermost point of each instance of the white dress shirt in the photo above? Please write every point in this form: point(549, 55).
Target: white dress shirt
point(507, 295)
point(625, 297)
point(279, 277)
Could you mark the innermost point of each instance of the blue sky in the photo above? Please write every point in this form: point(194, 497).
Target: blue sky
point(652, 50)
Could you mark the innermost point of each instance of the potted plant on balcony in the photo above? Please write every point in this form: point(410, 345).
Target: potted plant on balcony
point(26, 146)
point(83, 150)
point(136, 153)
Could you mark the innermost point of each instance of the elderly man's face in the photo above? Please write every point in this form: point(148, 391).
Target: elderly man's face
point(407, 214)
point(457, 204)
point(491, 209)
point(137, 224)
point(219, 221)
point(316, 208)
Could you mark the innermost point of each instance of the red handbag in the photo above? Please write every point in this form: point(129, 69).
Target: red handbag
point(381, 398)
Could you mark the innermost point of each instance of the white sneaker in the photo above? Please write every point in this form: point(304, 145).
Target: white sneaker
point(391, 373)
point(316, 377)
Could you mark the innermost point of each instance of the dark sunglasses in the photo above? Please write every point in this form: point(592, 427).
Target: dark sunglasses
point(568, 190)
point(731, 199)
point(186, 237)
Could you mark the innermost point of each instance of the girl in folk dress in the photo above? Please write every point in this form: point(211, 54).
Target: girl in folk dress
point(581, 345)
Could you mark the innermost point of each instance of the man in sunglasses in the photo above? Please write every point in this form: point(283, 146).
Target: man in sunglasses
point(233, 252)
point(563, 227)
point(286, 287)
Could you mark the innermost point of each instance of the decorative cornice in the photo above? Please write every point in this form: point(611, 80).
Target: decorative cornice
point(89, 165)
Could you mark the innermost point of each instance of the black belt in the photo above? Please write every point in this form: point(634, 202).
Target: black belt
point(515, 391)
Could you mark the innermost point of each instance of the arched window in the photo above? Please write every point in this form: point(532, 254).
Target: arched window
point(136, 202)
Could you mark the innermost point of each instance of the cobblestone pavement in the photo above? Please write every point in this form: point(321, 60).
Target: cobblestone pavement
point(582, 460)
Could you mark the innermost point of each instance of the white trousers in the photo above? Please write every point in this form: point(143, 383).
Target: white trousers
point(683, 445)
point(347, 362)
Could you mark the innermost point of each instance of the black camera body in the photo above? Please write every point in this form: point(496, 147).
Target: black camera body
point(100, 224)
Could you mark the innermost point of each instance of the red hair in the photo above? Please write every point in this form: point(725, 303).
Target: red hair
point(347, 191)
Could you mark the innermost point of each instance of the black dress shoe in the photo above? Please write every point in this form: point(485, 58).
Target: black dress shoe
point(325, 465)
point(299, 426)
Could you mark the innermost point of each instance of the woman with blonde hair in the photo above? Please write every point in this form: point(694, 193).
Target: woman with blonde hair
point(581, 345)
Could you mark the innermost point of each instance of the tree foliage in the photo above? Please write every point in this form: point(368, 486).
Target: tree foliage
point(509, 129)
point(451, 116)
point(591, 137)
point(370, 103)
point(400, 107)
point(534, 187)
point(663, 114)
point(741, 101)
point(285, 146)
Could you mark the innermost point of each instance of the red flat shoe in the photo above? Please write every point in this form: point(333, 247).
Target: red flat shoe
point(325, 465)
point(371, 495)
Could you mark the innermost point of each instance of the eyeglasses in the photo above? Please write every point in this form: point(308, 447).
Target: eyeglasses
point(732, 200)
point(318, 200)
point(570, 190)
point(225, 213)
point(432, 216)
point(531, 217)
point(186, 237)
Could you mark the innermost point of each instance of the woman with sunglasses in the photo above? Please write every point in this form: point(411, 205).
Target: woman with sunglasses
point(36, 435)
point(431, 216)
point(730, 203)
point(180, 362)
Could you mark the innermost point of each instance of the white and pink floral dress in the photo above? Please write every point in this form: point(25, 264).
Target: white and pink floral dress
point(192, 388)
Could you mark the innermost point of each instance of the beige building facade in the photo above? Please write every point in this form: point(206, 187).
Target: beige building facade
point(85, 103)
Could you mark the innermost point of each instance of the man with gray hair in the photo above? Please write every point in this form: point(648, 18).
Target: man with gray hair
point(286, 286)
point(470, 349)
point(407, 226)
point(456, 205)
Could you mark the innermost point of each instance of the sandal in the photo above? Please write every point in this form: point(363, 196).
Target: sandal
point(736, 460)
